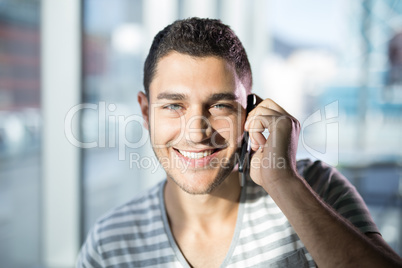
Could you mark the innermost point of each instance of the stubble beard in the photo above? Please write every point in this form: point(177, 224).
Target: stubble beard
point(225, 168)
point(224, 171)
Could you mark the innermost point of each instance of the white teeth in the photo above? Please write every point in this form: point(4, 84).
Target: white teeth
point(193, 155)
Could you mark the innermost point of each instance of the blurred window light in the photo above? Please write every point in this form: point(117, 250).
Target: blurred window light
point(20, 133)
point(128, 38)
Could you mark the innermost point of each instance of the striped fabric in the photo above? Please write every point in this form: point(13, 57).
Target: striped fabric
point(137, 234)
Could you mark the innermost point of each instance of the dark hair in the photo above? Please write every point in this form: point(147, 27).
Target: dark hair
point(200, 38)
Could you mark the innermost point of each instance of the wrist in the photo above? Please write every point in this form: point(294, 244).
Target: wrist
point(284, 179)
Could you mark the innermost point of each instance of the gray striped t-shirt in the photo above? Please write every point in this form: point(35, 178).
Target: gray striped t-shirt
point(137, 234)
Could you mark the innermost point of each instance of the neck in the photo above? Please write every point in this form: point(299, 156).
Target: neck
point(202, 211)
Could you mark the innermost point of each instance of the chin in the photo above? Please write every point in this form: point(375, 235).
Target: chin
point(197, 189)
point(194, 182)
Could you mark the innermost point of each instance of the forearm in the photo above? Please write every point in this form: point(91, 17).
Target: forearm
point(330, 239)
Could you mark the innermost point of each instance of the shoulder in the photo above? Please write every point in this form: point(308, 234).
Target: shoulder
point(137, 211)
point(140, 217)
point(314, 170)
point(323, 178)
point(338, 192)
point(126, 231)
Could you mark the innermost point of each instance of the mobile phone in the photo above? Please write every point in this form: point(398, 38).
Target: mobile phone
point(244, 161)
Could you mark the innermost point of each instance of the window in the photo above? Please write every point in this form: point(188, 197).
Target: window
point(20, 133)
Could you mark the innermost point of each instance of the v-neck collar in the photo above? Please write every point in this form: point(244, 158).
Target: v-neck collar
point(172, 241)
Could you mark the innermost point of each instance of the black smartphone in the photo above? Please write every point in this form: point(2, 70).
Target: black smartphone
point(244, 160)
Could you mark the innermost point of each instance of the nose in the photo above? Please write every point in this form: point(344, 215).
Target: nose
point(198, 127)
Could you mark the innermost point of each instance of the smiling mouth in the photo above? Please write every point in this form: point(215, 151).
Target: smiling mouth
point(197, 155)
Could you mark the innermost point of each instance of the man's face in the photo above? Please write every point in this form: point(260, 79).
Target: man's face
point(196, 119)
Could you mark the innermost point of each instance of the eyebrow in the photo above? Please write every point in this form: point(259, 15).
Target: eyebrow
point(223, 96)
point(171, 96)
point(213, 97)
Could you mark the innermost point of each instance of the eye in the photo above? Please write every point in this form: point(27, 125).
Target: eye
point(172, 107)
point(222, 106)
point(222, 109)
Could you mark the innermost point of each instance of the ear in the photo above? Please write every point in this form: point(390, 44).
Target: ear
point(144, 105)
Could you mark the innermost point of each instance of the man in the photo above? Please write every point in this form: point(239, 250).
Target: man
point(287, 214)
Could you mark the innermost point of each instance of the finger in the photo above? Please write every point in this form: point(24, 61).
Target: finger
point(257, 140)
point(256, 136)
point(254, 146)
point(274, 123)
point(258, 114)
point(257, 125)
point(270, 104)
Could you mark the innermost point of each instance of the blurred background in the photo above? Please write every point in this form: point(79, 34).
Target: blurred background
point(335, 65)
